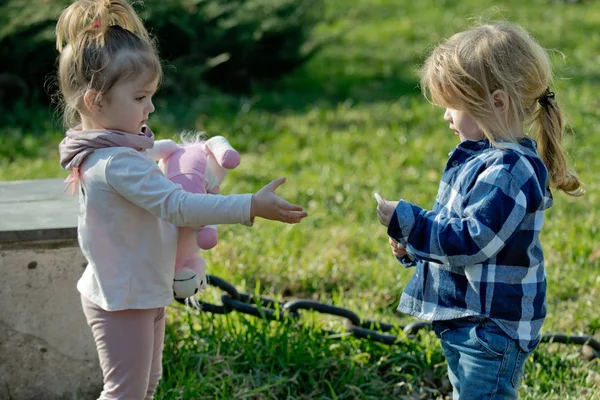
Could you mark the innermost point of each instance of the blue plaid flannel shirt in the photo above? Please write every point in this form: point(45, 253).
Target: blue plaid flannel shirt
point(478, 252)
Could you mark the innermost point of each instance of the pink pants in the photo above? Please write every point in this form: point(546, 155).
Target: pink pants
point(129, 345)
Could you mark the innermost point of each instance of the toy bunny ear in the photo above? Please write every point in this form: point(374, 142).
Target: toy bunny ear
point(162, 149)
point(224, 153)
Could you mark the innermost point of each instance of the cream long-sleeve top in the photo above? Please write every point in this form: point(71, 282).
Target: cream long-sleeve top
point(127, 227)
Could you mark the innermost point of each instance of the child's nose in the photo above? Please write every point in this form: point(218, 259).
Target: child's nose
point(447, 116)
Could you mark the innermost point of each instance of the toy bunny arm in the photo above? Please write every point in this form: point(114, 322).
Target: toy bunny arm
point(162, 149)
point(225, 155)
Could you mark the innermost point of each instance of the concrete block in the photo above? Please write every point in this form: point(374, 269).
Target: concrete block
point(46, 348)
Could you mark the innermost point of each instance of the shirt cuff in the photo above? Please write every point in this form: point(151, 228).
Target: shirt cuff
point(406, 261)
point(248, 210)
point(402, 222)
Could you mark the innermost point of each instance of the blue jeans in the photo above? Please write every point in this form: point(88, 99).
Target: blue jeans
point(483, 362)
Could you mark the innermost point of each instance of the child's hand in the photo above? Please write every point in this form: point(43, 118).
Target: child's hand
point(385, 209)
point(398, 250)
point(266, 204)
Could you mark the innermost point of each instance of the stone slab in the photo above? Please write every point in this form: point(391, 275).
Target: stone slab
point(36, 210)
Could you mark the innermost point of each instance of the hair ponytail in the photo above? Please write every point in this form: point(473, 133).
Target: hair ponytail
point(100, 42)
point(548, 129)
point(92, 18)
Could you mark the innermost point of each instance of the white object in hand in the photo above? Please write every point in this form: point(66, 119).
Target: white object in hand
point(378, 197)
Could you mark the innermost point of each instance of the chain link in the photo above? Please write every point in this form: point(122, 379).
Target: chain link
point(273, 310)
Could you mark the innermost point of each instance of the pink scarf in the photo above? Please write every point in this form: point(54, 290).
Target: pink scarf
point(78, 144)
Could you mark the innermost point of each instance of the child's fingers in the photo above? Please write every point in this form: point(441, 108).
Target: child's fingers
point(292, 217)
point(382, 218)
point(273, 185)
point(384, 205)
point(289, 212)
point(289, 206)
point(399, 251)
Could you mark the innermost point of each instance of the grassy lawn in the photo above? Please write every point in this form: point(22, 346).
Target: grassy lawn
point(349, 122)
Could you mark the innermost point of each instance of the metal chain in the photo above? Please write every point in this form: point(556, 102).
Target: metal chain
point(273, 310)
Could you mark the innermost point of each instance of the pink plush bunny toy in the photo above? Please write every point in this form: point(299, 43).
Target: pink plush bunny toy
point(199, 167)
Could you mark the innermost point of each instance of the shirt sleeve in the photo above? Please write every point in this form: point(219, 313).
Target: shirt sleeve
point(140, 180)
point(493, 210)
point(406, 261)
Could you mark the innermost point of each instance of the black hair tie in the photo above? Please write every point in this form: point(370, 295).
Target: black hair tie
point(544, 99)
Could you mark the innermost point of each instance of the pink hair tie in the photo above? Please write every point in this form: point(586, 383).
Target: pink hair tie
point(96, 23)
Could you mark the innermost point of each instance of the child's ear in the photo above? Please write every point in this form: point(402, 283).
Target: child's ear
point(500, 100)
point(91, 99)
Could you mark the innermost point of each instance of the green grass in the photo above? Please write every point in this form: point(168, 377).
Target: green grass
point(349, 122)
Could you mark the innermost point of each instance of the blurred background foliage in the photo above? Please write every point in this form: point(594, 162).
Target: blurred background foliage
point(228, 44)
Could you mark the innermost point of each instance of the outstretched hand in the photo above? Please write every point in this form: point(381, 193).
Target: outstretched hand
point(266, 204)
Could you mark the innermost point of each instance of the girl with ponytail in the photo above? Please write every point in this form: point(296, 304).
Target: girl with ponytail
point(128, 210)
point(479, 263)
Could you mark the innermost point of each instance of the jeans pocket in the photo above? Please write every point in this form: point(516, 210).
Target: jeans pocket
point(519, 369)
point(490, 339)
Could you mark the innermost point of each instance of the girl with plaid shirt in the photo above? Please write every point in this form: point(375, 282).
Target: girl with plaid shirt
point(479, 266)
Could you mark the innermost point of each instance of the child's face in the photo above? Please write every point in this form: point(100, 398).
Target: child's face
point(127, 105)
point(463, 125)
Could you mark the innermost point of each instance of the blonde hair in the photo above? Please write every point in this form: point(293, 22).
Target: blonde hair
point(100, 42)
point(466, 71)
